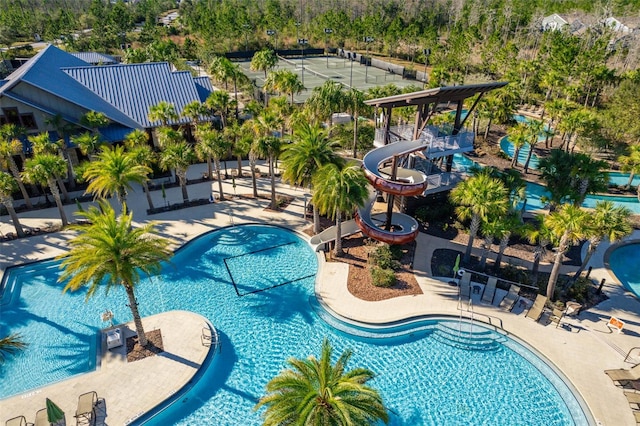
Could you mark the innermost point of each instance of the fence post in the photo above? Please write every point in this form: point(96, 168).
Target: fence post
point(600, 286)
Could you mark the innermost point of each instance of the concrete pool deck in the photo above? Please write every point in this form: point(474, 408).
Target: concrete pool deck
point(582, 350)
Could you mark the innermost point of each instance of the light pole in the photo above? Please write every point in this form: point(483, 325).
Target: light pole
point(246, 36)
point(272, 33)
point(367, 40)
point(426, 52)
point(327, 32)
point(302, 42)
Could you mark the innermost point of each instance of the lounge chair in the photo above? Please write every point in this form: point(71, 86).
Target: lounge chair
point(490, 290)
point(41, 418)
point(86, 410)
point(465, 285)
point(621, 374)
point(511, 298)
point(633, 398)
point(16, 421)
point(637, 414)
point(536, 310)
point(556, 316)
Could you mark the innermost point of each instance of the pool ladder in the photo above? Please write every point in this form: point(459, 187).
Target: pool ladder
point(470, 318)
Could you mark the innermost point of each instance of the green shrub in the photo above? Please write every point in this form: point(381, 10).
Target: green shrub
point(383, 258)
point(434, 213)
point(382, 277)
point(396, 251)
point(579, 291)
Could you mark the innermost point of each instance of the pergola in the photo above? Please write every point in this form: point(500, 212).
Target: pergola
point(428, 100)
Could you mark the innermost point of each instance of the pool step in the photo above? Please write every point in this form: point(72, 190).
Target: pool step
point(464, 336)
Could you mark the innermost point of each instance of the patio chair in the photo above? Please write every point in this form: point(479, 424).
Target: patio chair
point(86, 410)
point(536, 310)
point(621, 374)
point(556, 316)
point(633, 398)
point(511, 298)
point(490, 290)
point(41, 418)
point(637, 414)
point(16, 421)
point(465, 285)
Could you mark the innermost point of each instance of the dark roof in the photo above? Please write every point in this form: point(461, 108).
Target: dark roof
point(437, 95)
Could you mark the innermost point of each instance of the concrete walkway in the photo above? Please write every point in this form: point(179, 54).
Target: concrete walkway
point(582, 349)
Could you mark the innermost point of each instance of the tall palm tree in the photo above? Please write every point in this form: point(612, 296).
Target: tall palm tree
point(541, 236)
point(87, 143)
point(284, 82)
point(556, 169)
point(164, 112)
point(141, 152)
point(509, 225)
point(264, 60)
point(314, 392)
point(43, 169)
point(219, 102)
point(10, 345)
point(354, 104)
point(518, 135)
point(247, 139)
point(222, 70)
point(302, 159)
point(339, 190)
point(588, 176)
point(211, 144)
point(233, 133)
point(113, 172)
point(631, 162)
point(111, 251)
point(568, 224)
point(194, 111)
point(178, 156)
point(63, 128)
point(267, 146)
point(606, 221)
point(8, 184)
point(42, 144)
point(10, 146)
point(325, 100)
point(534, 129)
point(478, 198)
point(94, 120)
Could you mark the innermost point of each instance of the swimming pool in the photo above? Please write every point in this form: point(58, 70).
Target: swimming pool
point(255, 283)
point(623, 262)
point(507, 147)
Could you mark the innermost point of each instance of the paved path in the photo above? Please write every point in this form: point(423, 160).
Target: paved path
point(582, 349)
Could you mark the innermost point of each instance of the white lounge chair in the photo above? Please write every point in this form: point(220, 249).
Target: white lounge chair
point(511, 298)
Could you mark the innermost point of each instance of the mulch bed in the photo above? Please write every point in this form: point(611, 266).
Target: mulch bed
point(136, 352)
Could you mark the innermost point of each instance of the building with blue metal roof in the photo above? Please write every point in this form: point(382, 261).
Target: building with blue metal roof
point(55, 82)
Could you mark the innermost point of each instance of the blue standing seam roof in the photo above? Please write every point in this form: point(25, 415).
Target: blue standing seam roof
point(204, 87)
point(95, 58)
point(133, 88)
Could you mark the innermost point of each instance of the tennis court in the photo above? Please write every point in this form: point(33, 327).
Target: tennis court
point(313, 71)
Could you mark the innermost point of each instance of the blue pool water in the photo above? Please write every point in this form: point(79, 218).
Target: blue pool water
point(624, 262)
point(508, 148)
point(422, 377)
point(621, 179)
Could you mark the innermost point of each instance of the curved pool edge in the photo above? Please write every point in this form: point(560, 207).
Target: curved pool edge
point(129, 389)
point(606, 262)
point(340, 303)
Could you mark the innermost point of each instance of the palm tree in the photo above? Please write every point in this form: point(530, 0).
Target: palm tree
point(556, 169)
point(113, 172)
point(94, 120)
point(631, 162)
point(264, 60)
point(314, 391)
point(222, 70)
point(194, 111)
point(63, 128)
point(111, 251)
point(269, 147)
point(43, 169)
point(508, 225)
point(302, 159)
point(354, 103)
point(178, 156)
point(568, 224)
point(10, 146)
point(588, 176)
point(233, 132)
point(478, 198)
point(518, 137)
point(325, 100)
point(534, 128)
point(247, 139)
point(164, 112)
point(541, 236)
point(284, 82)
point(41, 144)
point(220, 102)
point(8, 184)
point(211, 144)
point(606, 221)
point(10, 344)
point(140, 151)
point(339, 189)
point(87, 142)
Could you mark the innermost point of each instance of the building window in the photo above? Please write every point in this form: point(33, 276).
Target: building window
point(3, 120)
point(28, 121)
point(12, 116)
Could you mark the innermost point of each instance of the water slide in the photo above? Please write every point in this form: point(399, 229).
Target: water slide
point(408, 182)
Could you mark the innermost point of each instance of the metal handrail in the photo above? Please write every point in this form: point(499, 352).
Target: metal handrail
point(629, 353)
